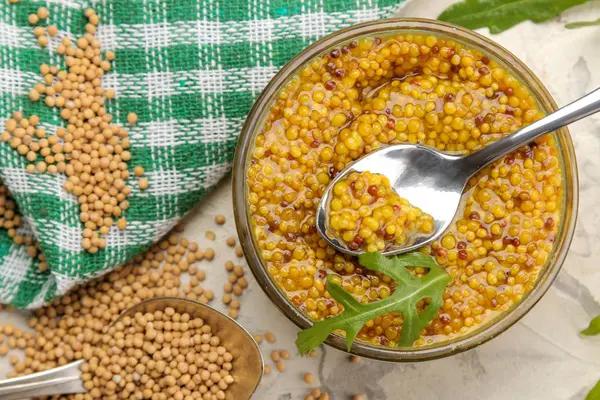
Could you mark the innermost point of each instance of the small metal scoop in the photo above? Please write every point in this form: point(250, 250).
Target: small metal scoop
point(247, 362)
point(434, 181)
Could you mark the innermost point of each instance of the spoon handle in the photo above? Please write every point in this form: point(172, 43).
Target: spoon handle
point(60, 380)
point(581, 108)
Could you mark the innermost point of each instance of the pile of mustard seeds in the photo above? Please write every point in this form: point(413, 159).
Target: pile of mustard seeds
point(90, 150)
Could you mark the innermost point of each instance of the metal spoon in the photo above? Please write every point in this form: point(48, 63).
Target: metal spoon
point(247, 363)
point(434, 181)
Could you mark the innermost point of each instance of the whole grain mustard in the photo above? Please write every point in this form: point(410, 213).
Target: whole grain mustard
point(407, 88)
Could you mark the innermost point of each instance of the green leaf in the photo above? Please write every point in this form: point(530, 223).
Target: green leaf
point(582, 24)
point(593, 328)
point(594, 394)
point(500, 15)
point(404, 300)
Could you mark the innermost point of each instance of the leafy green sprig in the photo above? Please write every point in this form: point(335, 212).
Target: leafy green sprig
point(409, 292)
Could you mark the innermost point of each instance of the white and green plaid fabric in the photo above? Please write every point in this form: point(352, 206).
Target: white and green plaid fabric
point(191, 70)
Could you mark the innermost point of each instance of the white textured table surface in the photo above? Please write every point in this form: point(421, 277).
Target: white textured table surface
point(541, 357)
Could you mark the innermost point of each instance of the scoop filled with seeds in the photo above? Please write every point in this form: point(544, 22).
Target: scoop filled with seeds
point(162, 348)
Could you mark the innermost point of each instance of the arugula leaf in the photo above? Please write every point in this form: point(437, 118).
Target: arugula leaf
point(594, 394)
point(582, 24)
point(593, 328)
point(410, 290)
point(499, 15)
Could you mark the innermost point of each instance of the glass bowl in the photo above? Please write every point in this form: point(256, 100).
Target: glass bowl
point(486, 331)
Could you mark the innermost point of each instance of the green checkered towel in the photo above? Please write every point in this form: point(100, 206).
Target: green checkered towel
point(190, 69)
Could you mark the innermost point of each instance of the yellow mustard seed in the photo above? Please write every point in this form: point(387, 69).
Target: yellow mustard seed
point(42, 13)
point(132, 118)
point(33, 19)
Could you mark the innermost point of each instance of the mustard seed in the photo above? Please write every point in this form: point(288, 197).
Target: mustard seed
point(309, 378)
point(143, 183)
point(42, 13)
point(239, 252)
point(52, 30)
point(270, 337)
point(42, 41)
point(220, 219)
point(275, 355)
point(209, 254)
point(210, 235)
point(138, 171)
point(280, 366)
point(33, 19)
point(38, 31)
point(132, 118)
point(231, 241)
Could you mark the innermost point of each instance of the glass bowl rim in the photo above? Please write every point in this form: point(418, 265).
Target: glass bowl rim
point(488, 330)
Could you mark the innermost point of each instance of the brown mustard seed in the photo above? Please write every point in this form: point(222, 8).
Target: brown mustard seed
point(220, 219)
point(275, 355)
point(210, 235)
point(267, 368)
point(258, 338)
point(354, 359)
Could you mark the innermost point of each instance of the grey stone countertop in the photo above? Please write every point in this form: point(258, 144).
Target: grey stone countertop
point(542, 356)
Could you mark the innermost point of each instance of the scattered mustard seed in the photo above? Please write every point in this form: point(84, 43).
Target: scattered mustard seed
point(309, 378)
point(138, 170)
point(231, 241)
point(33, 19)
point(280, 366)
point(270, 337)
point(209, 254)
point(239, 252)
point(143, 183)
point(52, 30)
point(132, 118)
point(220, 219)
point(42, 13)
point(275, 355)
point(210, 235)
